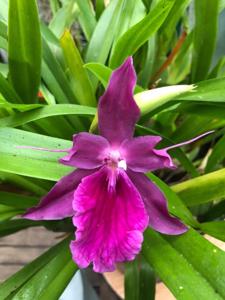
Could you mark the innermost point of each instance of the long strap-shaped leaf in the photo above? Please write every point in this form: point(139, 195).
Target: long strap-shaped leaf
point(138, 34)
point(51, 280)
point(46, 111)
point(24, 48)
point(21, 277)
point(203, 189)
point(139, 280)
point(204, 37)
point(189, 265)
point(37, 164)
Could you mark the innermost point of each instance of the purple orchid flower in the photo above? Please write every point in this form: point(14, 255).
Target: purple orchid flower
point(111, 200)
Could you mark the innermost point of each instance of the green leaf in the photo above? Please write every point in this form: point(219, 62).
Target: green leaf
point(215, 229)
point(138, 34)
point(80, 80)
point(5, 216)
point(29, 162)
point(17, 280)
point(203, 189)
point(17, 200)
point(86, 17)
point(99, 8)
point(24, 48)
point(55, 274)
point(102, 37)
point(64, 17)
point(8, 212)
point(147, 281)
point(4, 10)
point(212, 90)
point(204, 37)
point(8, 91)
point(54, 4)
point(185, 261)
point(176, 206)
point(56, 287)
point(55, 78)
point(35, 186)
point(180, 67)
point(150, 100)
point(217, 155)
point(126, 17)
point(221, 5)
point(12, 226)
point(3, 36)
point(102, 72)
point(214, 212)
point(28, 166)
point(148, 66)
point(147, 4)
point(132, 280)
point(46, 111)
point(175, 14)
point(19, 107)
point(216, 110)
point(139, 280)
point(207, 258)
point(218, 70)
point(194, 125)
point(3, 43)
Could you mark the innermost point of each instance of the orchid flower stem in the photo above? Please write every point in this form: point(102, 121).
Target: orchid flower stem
point(169, 59)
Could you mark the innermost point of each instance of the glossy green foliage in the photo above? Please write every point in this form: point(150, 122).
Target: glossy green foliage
point(203, 189)
point(187, 261)
point(24, 48)
point(139, 280)
point(55, 261)
point(81, 84)
point(137, 35)
point(204, 37)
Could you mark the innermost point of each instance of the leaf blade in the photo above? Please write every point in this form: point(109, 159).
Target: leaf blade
point(24, 59)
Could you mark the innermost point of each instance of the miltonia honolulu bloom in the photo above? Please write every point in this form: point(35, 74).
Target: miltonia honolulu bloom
point(111, 200)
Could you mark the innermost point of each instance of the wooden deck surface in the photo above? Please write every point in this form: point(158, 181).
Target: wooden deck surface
point(18, 249)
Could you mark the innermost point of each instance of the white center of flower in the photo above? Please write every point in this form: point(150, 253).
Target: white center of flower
point(114, 160)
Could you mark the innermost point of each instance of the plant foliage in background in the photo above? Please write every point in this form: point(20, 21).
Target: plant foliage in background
point(51, 77)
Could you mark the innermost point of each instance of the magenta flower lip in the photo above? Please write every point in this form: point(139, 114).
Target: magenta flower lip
point(110, 199)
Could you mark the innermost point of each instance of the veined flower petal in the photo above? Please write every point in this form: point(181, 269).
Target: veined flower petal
point(140, 155)
point(109, 222)
point(88, 151)
point(166, 158)
point(117, 110)
point(57, 204)
point(156, 206)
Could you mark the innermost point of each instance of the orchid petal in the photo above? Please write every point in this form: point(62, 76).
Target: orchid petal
point(189, 141)
point(140, 155)
point(117, 110)
point(110, 223)
point(88, 151)
point(166, 158)
point(57, 204)
point(156, 206)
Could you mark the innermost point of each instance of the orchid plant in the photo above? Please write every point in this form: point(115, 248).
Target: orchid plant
point(110, 198)
point(143, 182)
